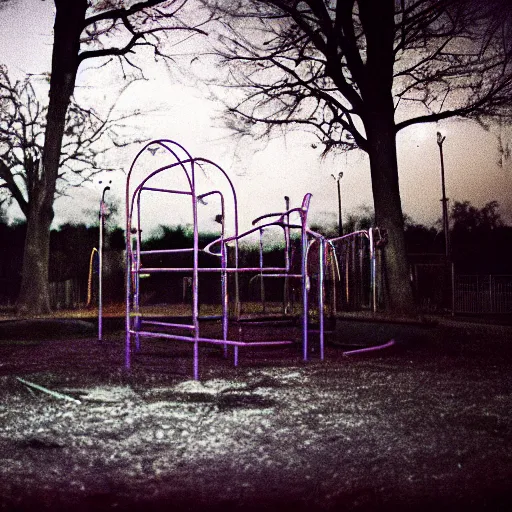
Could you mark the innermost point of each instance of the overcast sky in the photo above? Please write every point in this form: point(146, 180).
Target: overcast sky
point(264, 175)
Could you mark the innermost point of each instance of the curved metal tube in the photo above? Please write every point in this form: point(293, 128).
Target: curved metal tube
point(369, 349)
point(188, 165)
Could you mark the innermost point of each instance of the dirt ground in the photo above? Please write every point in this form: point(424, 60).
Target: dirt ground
point(423, 425)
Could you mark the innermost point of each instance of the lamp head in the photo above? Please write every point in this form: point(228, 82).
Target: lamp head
point(440, 138)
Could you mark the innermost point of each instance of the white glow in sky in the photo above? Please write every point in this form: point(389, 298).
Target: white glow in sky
point(263, 175)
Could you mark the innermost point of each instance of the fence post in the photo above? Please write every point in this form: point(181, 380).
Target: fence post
point(453, 289)
point(373, 271)
point(491, 301)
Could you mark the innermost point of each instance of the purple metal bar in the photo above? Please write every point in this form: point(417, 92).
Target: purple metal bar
point(321, 296)
point(215, 341)
point(168, 191)
point(369, 349)
point(129, 255)
point(195, 277)
point(138, 237)
point(224, 241)
point(149, 270)
point(133, 201)
point(208, 248)
point(167, 251)
point(257, 228)
point(279, 215)
point(262, 283)
point(350, 235)
point(167, 324)
point(224, 286)
point(287, 257)
point(100, 264)
point(305, 278)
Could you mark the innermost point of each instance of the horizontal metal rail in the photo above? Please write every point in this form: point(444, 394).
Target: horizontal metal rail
point(214, 341)
point(167, 324)
point(152, 270)
point(167, 251)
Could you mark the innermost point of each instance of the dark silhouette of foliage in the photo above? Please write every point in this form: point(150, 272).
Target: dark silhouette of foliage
point(481, 242)
point(70, 250)
point(12, 238)
point(420, 239)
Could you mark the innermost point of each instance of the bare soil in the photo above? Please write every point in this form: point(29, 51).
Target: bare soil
point(424, 425)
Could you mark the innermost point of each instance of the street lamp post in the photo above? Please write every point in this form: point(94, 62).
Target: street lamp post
point(338, 179)
point(100, 263)
point(440, 139)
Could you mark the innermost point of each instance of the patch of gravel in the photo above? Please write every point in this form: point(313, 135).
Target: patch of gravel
point(424, 427)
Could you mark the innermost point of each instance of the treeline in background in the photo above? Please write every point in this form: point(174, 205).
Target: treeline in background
point(481, 243)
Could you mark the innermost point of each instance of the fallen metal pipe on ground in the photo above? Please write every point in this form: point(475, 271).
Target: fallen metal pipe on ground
point(369, 349)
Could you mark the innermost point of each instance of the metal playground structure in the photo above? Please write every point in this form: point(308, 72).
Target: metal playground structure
point(308, 259)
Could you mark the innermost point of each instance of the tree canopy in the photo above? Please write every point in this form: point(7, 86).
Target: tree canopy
point(355, 72)
point(315, 63)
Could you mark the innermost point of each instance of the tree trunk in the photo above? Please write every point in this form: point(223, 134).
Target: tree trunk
point(388, 211)
point(34, 291)
point(376, 84)
point(34, 297)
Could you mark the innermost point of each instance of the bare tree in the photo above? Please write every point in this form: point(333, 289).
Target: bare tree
point(107, 30)
point(88, 135)
point(355, 72)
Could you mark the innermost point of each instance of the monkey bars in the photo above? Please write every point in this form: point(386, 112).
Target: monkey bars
point(182, 176)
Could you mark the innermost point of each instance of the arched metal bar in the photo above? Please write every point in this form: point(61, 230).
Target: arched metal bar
point(189, 166)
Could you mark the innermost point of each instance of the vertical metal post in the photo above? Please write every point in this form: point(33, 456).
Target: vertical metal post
point(321, 295)
point(224, 285)
point(373, 270)
point(440, 139)
point(453, 289)
point(224, 276)
point(100, 264)
point(305, 287)
point(137, 246)
point(262, 283)
point(340, 224)
point(100, 276)
point(491, 302)
point(446, 225)
point(129, 277)
point(286, 295)
point(136, 288)
point(195, 275)
point(128, 336)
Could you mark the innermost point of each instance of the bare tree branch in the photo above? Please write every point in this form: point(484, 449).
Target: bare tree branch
point(88, 136)
point(141, 24)
point(450, 58)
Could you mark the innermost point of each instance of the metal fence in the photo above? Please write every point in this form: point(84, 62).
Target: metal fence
point(65, 294)
point(483, 294)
